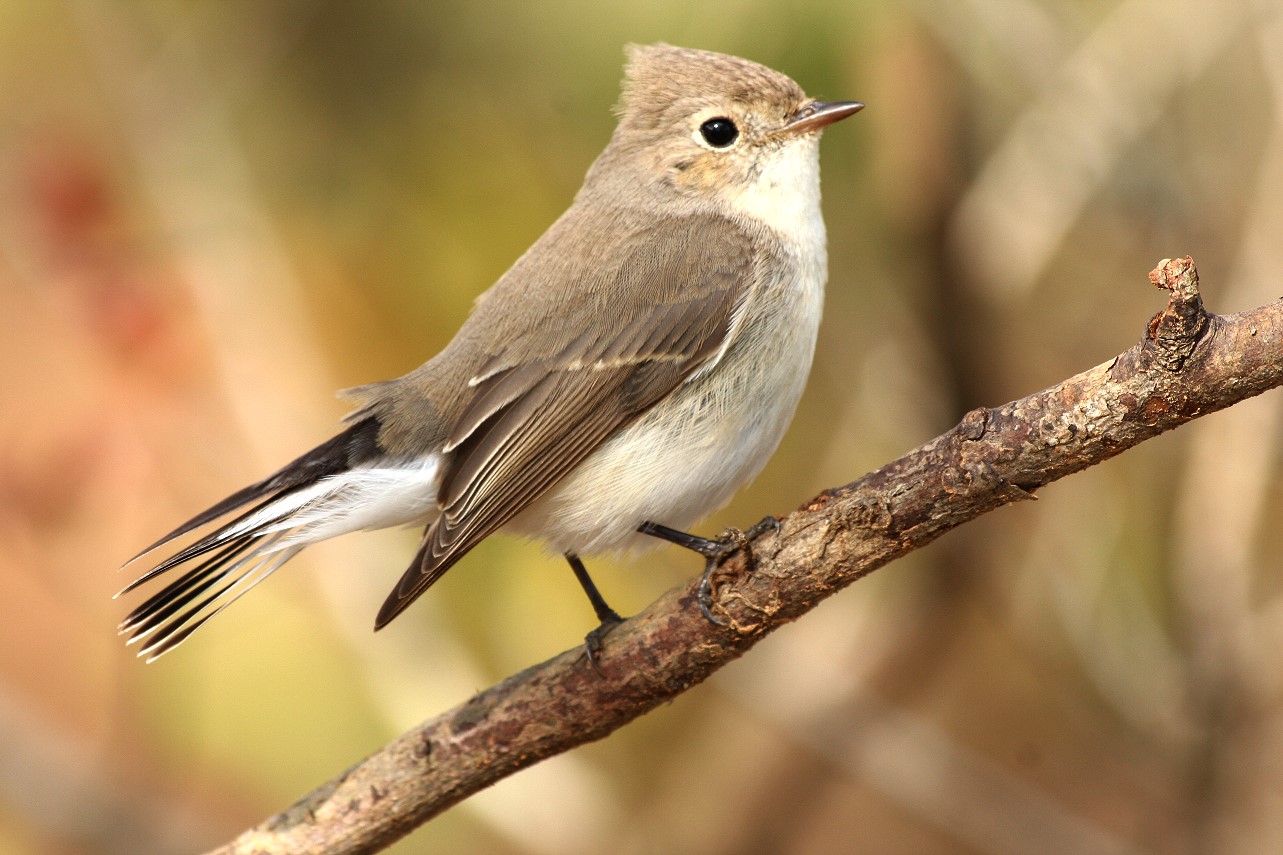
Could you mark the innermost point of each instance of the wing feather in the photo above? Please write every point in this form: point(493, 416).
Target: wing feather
point(532, 416)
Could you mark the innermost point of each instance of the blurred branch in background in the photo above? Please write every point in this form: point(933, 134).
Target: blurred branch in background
point(1231, 679)
point(1189, 364)
point(1069, 140)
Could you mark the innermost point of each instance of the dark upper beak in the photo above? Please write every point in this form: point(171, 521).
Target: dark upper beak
point(819, 114)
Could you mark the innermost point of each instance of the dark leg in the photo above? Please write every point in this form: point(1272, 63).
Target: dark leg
point(605, 614)
point(714, 551)
point(607, 617)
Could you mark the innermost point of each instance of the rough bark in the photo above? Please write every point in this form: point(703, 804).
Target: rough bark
point(1188, 363)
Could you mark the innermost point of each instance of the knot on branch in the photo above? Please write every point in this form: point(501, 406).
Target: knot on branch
point(1174, 332)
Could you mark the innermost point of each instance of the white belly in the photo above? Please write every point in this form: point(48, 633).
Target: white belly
point(690, 454)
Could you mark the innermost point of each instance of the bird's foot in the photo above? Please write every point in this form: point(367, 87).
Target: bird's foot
point(714, 551)
point(593, 640)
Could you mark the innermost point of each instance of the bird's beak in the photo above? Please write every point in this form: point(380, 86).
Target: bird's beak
point(819, 114)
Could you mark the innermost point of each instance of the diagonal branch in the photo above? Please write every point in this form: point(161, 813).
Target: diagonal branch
point(1189, 363)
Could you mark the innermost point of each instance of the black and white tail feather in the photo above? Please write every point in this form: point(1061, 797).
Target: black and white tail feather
point(343, 485)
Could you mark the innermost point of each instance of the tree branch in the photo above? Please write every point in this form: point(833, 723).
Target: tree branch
point(1189, 363)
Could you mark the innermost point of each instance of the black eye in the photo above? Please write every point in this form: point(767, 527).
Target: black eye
point(719, 132)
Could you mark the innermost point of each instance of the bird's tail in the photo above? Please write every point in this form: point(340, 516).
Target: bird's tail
point(343, 485)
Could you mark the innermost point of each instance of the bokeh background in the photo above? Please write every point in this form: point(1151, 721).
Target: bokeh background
point(214, 214)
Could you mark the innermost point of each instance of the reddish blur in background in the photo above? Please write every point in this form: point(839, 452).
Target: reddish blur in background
point(213, 215)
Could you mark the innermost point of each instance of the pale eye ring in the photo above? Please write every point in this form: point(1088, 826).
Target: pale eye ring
point(719, 132)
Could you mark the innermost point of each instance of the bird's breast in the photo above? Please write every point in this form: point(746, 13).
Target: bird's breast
point(692, 451)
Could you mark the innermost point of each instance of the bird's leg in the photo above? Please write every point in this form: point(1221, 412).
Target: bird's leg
point(607, 617)
point(714, 551)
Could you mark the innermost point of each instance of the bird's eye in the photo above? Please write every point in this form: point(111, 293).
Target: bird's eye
point(719, 132)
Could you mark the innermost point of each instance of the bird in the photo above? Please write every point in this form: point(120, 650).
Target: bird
point(622, 380)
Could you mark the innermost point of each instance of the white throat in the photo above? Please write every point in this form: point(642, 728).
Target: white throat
point(785, 195)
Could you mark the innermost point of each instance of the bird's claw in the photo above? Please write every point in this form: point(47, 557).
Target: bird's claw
point(705, 595)
point(761, 527)
point(593, 641)
point(731, 541)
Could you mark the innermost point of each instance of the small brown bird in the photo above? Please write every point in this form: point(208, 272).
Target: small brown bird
point(622, 380)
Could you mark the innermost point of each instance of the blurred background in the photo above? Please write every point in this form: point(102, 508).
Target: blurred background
point(212, 215)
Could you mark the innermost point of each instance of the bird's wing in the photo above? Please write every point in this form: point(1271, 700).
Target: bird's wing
point(668, 309)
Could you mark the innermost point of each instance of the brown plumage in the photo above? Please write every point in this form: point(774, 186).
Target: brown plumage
point(637, 364)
